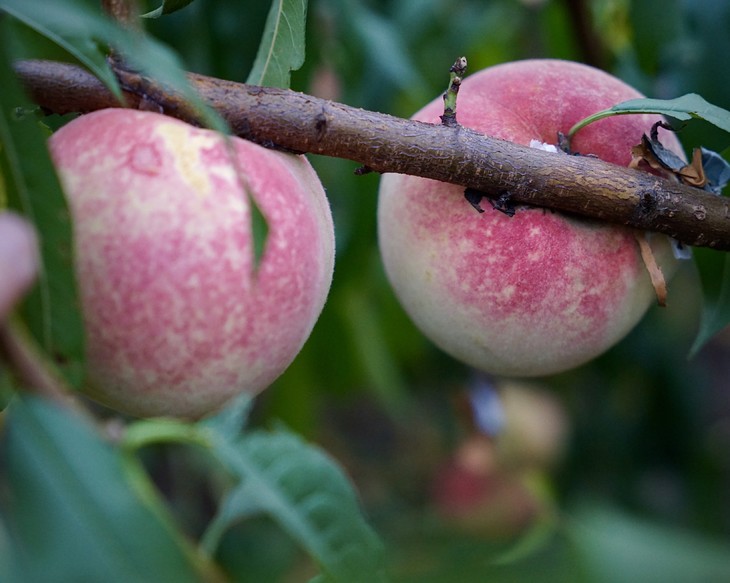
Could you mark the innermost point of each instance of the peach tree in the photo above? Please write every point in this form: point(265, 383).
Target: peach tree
point(526, 221)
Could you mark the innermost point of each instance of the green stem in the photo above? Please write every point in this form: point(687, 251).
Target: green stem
point(456, 71)
point(165, 430)
point(590, 119)
point(149, 431)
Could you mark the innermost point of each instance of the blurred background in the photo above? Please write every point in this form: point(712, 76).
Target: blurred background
point(616, 471)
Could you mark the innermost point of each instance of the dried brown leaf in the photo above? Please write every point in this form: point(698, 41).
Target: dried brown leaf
point(655, 272)
point(693, 173)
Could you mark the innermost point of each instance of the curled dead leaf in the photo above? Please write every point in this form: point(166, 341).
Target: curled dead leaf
point(693, 173)
point(651, 152)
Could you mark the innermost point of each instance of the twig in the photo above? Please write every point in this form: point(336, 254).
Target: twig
point(30, 367)
point(457, 72)
point(580, 185)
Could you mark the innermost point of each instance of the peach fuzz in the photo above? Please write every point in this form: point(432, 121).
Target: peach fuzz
point(176, 320)
point(540, 292)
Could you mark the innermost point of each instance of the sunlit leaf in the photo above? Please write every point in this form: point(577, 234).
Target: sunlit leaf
point(52, 309)
point(714, 270)
point(282, 45)
point(167, 7)
point(305, 492)
point(682, 108)
point(70, 501)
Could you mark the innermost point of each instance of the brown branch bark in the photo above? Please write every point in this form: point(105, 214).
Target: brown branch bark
point(275, 117)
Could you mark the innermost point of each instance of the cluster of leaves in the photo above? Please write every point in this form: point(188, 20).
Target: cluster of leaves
point(72, 493)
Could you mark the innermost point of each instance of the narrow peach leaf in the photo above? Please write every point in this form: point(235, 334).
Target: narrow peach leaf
point(282, 45)
point(167, 7)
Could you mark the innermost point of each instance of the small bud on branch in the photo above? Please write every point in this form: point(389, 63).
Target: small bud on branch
point(457, 71)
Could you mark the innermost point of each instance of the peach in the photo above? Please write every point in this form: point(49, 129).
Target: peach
point(178, 319)
point(18, 259)
point(540, 292)
point(472, 493)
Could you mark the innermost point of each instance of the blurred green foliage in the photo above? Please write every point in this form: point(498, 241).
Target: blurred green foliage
point(649, 429)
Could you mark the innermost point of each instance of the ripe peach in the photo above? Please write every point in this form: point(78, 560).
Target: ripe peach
point(471, 492)
point(18, 259)
point(539, 292)
point(177, 320)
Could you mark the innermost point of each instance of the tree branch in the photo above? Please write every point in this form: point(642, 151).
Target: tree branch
point(286, 119)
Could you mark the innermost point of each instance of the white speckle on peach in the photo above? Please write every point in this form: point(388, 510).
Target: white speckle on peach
point(507, 292)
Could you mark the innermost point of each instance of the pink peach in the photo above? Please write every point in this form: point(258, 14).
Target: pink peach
point(18, 259)
point(539, 292)
point(178, 319)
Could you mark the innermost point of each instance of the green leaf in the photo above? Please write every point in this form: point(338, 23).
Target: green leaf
point(230, 421)
point(79, 26)
point(682, 108)
point(614, 547)
point(382, 40)
point(281, 50)
point(714, 271)
point(259, 231)
point(306, 493)
point(259, 225)
point(71, 502)
point(297, 485)
point(369, 336)
point(155, 430)
point(52, 308)
point(167, 7)
point(226, 424)
point(8, 561)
